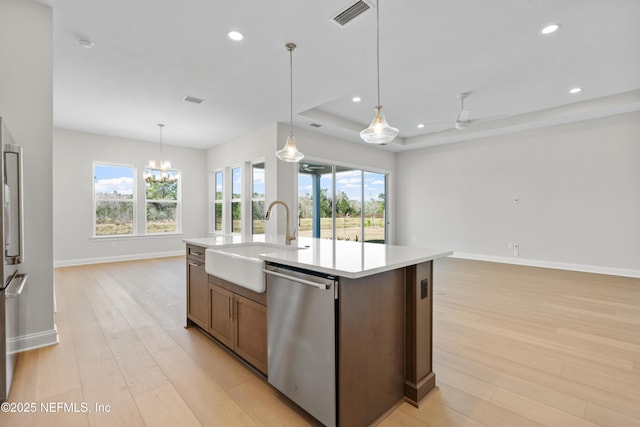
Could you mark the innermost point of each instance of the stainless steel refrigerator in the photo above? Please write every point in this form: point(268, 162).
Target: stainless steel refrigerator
point(11, 236)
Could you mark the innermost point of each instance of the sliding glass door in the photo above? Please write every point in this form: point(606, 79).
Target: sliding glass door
point(337, 202)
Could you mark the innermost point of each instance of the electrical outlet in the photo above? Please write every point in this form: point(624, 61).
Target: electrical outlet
point(516, 249)
point(424, 288)
point(516, 199)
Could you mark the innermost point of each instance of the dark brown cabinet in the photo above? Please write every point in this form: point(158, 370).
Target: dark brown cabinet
point(239, 323)
point(197, 287)
point(251, 332)
point(235, 316)
point(221, 314)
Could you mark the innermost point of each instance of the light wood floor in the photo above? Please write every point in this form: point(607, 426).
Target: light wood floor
point(514, 346)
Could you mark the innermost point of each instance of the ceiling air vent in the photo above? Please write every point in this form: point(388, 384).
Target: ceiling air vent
point(349, 13)
point(193, 99)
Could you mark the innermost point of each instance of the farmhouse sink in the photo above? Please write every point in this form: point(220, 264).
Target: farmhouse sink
point(239, 263)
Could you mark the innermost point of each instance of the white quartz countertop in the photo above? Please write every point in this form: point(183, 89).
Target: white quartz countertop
point(340, 258)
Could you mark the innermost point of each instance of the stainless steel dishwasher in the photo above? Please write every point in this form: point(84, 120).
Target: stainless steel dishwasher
point(301, 316)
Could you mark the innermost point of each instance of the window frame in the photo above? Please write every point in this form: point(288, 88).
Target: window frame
point(217, 201)
point(233, 199)
point(252, 199)
point(177, 202)
point(133, 200)
point(363, 170)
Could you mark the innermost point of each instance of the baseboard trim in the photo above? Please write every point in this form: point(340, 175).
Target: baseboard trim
point(32, 341)
point(118, 258)
point(550, 264)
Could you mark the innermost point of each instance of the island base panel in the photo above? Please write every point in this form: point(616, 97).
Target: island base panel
point(371, 347)
point(419, 377)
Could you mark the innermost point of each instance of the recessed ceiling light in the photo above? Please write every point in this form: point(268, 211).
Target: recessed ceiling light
point(420, 126)
point(235, 35)
point(575, 90)
point(356, 99)
point(552, 28)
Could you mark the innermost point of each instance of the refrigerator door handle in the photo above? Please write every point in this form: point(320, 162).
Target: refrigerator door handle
point(18, 282)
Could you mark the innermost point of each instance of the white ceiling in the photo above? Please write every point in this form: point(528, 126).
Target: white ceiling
point(149, 54)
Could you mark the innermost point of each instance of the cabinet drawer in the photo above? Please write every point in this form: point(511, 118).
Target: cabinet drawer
point(195, 253)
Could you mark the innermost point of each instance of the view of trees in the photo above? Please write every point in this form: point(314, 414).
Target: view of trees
point(161, 217)
point(162, 204)
point(257, 214)
point(113, 193)
point(344, 206)
point(217, 207)
point(113, 216)
point(114, 206)
point(348, 216)
point(236, 215)
point(236, 200)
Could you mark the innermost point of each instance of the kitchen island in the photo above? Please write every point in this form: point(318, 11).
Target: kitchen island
point(368, 344)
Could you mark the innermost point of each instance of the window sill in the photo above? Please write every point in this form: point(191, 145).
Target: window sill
point(135, 236)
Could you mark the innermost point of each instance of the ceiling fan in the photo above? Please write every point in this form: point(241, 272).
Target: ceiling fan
point(311, 168)
point(463, 119)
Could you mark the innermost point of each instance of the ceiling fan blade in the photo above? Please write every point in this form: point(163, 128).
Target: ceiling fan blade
point(464, 116)
point(490, 118)
point(436, 124)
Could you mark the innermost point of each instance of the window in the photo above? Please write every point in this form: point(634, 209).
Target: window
point(257, 198)
point(114, 199)
point(348, 199)
point(236, 200)
point(342, 203)
point(218, 201)
point(315, 200)
point(162, 201)
point(375, 194)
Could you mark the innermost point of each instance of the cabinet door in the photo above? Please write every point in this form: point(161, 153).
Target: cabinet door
point(251, 332)
point(221, 315)
point(197, 293)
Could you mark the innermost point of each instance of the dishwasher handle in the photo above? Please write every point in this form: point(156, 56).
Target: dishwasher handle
point(296, 279)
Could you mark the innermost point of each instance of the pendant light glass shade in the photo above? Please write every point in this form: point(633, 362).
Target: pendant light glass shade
point(379, 131)
point(289, 152)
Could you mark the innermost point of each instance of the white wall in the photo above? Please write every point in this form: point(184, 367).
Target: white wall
point(578, 187)
point(281, 177)
point(26, 103)
point(73, 157)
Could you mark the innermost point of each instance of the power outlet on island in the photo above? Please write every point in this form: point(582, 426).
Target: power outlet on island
point(424, 288)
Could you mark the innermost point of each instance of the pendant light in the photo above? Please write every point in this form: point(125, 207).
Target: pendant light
point(379, 131)
point(163, 165)
point(289, 152)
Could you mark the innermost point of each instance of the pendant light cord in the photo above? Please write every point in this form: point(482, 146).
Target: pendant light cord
point(161, 126)
point(378, 45)
point(291, 90)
